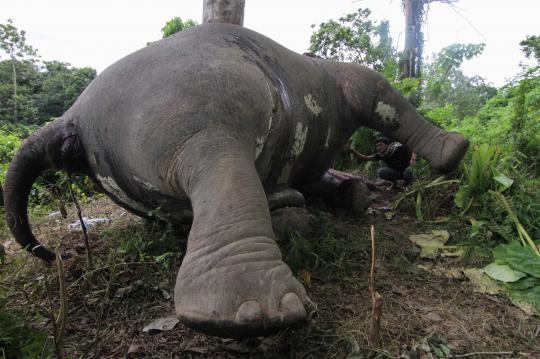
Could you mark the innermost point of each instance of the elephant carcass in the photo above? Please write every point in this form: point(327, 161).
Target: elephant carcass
point(198, 126)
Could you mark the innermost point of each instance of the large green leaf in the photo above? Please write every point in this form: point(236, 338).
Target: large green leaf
point(463, 196)
point(518, 257)
point(503, 273)
point(499, 254)
point(527, 299)
point(503, 181)
point(525, 283)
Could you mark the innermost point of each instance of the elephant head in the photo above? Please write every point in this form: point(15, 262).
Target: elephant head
point(374, 103)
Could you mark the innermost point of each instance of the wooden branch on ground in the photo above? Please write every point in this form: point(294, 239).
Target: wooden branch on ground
point(376, 299)
point(83, 226)
point(486, 353)
point(61, 319)
point(60, 323)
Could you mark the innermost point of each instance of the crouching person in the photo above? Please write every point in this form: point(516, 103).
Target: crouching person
point(396, 157)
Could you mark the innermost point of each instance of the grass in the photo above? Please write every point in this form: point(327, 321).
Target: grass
point(133, 277)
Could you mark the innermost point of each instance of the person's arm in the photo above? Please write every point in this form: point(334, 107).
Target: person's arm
point(362, 157)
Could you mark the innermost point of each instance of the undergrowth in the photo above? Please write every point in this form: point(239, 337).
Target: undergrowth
point(328, 253)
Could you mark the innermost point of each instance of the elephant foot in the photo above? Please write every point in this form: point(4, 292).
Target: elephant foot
point(239, 295)
point(290, 220)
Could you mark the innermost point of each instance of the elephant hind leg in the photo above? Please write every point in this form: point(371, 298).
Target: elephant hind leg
point(288, 212)
point(232, 282)
point(340, 190)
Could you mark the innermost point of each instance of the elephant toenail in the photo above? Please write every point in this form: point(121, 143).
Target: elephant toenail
point(249, 312)
point(291, 307)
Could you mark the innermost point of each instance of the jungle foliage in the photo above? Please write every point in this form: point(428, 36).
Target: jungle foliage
point(175, 25)
point(497, 192)
point(497, 185)
point(45, 90)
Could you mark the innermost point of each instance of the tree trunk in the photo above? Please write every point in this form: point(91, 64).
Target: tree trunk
point(224, 11)
point(15, 115)
point(413, 38)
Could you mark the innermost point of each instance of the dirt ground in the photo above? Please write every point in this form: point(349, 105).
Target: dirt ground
point(135, 264)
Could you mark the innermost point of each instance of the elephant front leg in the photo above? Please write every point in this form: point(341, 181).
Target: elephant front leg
point(232, 282)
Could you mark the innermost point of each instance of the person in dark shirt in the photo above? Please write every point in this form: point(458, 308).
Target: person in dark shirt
point(397, 158)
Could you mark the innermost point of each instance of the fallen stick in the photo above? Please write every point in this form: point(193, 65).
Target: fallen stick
point(83, 226)
point(485, 353)
point(376, 299)
point(61, 320)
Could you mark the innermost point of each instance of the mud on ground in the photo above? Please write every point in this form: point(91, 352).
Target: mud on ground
point(133, 276)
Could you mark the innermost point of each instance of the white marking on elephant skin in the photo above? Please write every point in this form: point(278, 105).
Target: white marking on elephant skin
point(327, 141)
point(387, 112)
point(299, 141)
point(300, 137)
point(112, 187)
point(283, 94)
point(260, 141)
point(312, 105)
point(285, 173)
point(260, 144)
point(93, 160)
point(146, 185)
point(270, 119)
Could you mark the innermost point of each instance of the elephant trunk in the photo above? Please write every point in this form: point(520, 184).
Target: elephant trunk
point(374, 103)
point(40, 152)
point(443, 150)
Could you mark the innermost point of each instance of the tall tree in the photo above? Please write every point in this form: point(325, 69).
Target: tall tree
point(28, 85)
point(446, 85)
point(13, 42)
point(412, 53)
point(61, 84)
point(531, 47)
point(354, 38)
point(225, 11)
point(414, 38)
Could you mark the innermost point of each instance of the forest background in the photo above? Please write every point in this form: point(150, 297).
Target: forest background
point(495, 191)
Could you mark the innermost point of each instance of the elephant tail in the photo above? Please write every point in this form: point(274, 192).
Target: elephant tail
point(53, 147)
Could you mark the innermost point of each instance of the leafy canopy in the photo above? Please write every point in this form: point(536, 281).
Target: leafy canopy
point(13, 42)
point(445, 83)
point(354, 38)
point(39, 90)
point(531, 47)
point(176, 25)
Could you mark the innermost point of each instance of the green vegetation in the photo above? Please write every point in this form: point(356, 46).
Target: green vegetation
point(493, 195)
point(495, 191)
point(34, 92)
point(17, 339)
point(175, 25)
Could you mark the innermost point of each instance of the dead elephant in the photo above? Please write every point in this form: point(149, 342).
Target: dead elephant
point(203, 125)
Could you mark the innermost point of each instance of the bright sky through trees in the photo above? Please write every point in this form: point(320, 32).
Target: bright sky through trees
point(97, 33)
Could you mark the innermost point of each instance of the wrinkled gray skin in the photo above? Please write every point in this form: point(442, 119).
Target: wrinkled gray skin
point(199, 126)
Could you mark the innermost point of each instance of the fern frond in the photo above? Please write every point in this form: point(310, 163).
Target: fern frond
point(505, 230)
point(501, 200)
point(504, 204)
